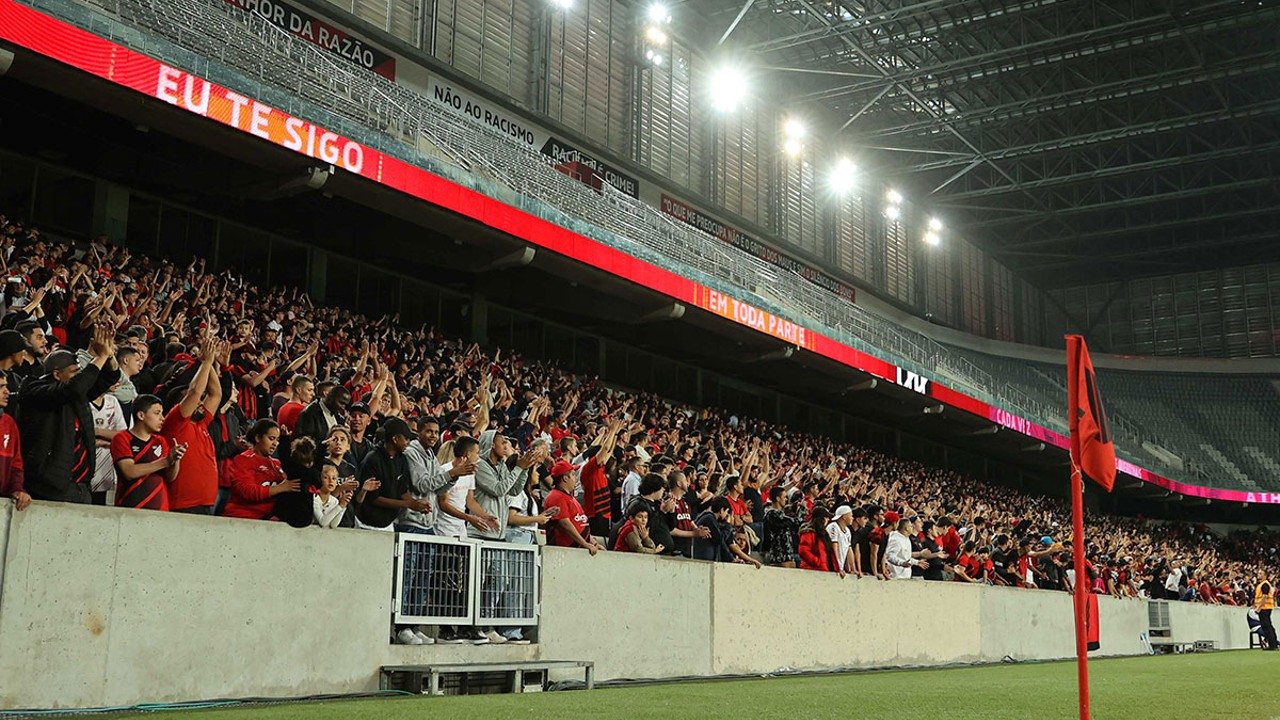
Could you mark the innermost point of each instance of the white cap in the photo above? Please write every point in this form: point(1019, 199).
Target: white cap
point(842, 511)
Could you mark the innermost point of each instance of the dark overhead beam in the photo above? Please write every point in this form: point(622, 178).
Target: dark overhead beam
point(733, 25)
point(1134, 201)
point(1119, 169)
point(1261, 109)
point(1008, 59)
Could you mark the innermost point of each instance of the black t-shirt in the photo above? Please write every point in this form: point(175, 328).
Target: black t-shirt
point(1006, 564)
point(393, 473)
point(916, 546)
point(934, 571)
point(862, 541)
point(755, 503)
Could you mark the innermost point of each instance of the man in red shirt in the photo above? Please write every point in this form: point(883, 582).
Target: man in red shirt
point(144, 461)
point(596, 496)
point(11, 477)
point(303, 392)
point(194, 488)
point(569, 528)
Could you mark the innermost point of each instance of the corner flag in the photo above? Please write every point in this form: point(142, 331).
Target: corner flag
point(1091, 447)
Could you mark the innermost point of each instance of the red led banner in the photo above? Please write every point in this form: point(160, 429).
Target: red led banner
point(45, 35)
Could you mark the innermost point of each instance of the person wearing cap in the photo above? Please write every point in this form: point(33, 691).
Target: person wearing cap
point(359, 419)
point(569, 528)
point(387, 464)
point(13, 352)
point(57, 425)
point(842, 538)
point(11, 473)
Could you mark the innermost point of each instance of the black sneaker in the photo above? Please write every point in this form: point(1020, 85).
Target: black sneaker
point(473, 636)
point(449, 636)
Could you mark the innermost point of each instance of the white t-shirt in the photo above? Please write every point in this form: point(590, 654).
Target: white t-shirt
point(842, 538)
point(108, 417)
point(630, 490)
point(523, 504)
point(447, 524)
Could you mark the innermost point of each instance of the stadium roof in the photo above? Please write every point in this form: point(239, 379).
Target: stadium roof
point(1074, 140)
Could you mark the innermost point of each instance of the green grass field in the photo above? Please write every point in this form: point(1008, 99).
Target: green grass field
point(1222, 685)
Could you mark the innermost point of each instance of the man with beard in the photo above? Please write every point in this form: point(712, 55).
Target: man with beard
point(195, 488)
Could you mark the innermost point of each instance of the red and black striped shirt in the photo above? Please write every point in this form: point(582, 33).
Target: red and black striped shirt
point(149, 491)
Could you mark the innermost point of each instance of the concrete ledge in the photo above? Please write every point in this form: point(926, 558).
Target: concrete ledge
point(105, 607)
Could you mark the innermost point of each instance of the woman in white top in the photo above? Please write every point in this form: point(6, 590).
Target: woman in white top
point(326, 507)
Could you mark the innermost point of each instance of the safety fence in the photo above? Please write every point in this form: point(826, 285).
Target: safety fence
point(456, 581)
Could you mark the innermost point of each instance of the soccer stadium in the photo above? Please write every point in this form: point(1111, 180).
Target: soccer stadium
point(639, 358)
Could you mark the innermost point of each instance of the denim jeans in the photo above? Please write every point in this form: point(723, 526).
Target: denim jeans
point(220, 504)
point(507, 601)
point(419, 560)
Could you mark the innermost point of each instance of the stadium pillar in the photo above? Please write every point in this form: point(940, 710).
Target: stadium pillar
point(480, 319)
point(317, 271)
point(110, 210)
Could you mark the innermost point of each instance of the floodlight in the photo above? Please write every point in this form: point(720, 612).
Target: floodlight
point(562, 4)
point(658, 14)
point(728, 89)
point(656, 59)
point(894, 197)
point(794, 128)
point(893, 212)
point(792, 147)
point(935, 224)
point(842, 176)
point(655, 36)
point(932, 238)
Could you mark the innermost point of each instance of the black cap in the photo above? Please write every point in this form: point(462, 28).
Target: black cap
point(59, 359)
point(362, 407)
point(396, 426)
point(12, 342)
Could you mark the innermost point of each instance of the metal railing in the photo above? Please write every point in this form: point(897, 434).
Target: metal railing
point(455, 581)
point(215, 39)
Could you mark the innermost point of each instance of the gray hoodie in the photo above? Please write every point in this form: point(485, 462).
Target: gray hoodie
point(426, 478)
point(495, 483)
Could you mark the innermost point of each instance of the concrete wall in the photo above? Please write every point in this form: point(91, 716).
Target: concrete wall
point(100, 606)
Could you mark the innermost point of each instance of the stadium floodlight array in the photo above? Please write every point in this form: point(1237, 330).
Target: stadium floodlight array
point(246, 43)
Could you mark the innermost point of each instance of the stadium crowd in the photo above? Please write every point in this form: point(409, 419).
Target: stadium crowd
point(167, 387)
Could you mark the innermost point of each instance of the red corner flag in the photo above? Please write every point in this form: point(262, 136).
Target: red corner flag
point(1091, 447)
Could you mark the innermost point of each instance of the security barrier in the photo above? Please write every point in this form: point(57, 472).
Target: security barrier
point(454, 581)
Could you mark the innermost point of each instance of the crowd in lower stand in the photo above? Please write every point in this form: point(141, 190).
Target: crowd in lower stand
point(151, 385)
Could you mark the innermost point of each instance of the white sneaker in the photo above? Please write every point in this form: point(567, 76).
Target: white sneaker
point(494, 638)
point(425, 638)
point(408, 637)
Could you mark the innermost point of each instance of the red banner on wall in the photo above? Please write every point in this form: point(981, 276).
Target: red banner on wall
point(28, 28)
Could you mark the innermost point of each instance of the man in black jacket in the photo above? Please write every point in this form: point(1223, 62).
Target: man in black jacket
point(56, 422)
point(322, 414)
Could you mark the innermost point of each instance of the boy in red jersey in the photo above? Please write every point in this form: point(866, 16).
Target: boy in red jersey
point(144, 461)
